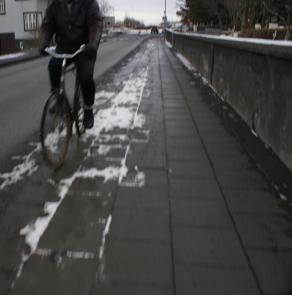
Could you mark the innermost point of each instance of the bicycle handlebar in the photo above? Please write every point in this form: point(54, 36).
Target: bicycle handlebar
point(52, 51)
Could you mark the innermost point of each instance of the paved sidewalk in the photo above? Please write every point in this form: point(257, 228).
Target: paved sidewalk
point(205, 222)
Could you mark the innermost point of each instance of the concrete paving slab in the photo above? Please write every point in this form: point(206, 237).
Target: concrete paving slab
point(138, 263)
point(43, 275)
point(207, 213)
point(186, 121)
point(179, 111)
point(204, 188)
point(180, 124)
point(186, 154)
point(231, 163)
point(243, 180)
point(221, 149)
point(207, 246)
point(175, 107)
point(142, 225)
point(8, 261)
point(5, 280)
point(149, 160)
point(181, 132)
point(156, 178)
point(77, 225)
point(204, 280)
point(265, 231)
point(253, 202)
point(273, 269)
point(146, 198)
point(195, 169)
point(134, 289)
point(183, 142)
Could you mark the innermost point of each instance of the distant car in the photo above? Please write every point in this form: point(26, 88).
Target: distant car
point(154, 30)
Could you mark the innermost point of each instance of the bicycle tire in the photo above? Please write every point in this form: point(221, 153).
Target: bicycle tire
point(56, 129)
point(78, 111)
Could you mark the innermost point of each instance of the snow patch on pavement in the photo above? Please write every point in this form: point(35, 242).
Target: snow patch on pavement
point(101, 257)
point(138, 180)
point(117, 115)
point(168, 44)
point(104, 94)
point(122, 112)
point(104, 235)
point(185, 62)
point(283, 197)
point(26, 168)
point(105, 149)
point(106, 138)
point(140, 121)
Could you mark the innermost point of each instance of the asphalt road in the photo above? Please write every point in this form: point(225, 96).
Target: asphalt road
point(25, 86)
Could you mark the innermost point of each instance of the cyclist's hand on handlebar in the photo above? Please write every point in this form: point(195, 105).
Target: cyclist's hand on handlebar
point(42, 48)
point(90, 50)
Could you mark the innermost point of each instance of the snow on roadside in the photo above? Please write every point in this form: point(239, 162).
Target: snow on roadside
point(168, 44)
point(240, 39)
point(185, 62)
point(26, 168)
point(12, 55)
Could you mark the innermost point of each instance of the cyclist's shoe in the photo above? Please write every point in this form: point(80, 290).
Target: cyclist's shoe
point(88, 119)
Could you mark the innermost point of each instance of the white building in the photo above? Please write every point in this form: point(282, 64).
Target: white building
point(108, 22)
point(21, 18)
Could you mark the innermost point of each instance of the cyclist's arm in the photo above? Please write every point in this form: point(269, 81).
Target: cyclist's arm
point(48, 25)
point(95, 22)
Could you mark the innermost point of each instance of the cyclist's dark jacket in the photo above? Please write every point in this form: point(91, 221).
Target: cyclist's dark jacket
point(72, 27)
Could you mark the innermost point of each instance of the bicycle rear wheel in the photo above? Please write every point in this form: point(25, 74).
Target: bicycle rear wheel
point(79, 111)
point(55, 133)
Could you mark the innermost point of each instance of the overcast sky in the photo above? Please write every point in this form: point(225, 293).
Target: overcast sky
point(149, 11)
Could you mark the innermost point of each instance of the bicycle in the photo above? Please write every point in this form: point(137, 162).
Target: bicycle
point(58, 116)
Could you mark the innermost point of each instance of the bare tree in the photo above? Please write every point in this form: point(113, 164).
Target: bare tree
point(281, 10)
point(239, 14)
point(105, 7)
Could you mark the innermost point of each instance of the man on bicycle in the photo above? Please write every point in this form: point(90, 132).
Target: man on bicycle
point(73, 23)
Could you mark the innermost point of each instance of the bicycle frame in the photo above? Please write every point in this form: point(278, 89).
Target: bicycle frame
point(52, 52)
point(62, 91)
point(58, 117)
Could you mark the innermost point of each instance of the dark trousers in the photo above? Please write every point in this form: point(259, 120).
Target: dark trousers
point(85, 69)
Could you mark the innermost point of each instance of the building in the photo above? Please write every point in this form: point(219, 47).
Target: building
point(108, 22)
point(19, 21)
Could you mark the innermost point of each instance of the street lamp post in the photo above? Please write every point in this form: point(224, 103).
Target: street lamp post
point(165, 18)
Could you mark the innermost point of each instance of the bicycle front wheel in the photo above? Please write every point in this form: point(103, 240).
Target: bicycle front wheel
point(55, 130)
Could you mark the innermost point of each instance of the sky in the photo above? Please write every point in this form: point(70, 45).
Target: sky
point(148, 11)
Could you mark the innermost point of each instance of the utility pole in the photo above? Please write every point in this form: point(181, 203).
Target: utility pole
point(165, 18)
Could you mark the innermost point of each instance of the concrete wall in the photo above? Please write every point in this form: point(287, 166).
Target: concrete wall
point(255, 79)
